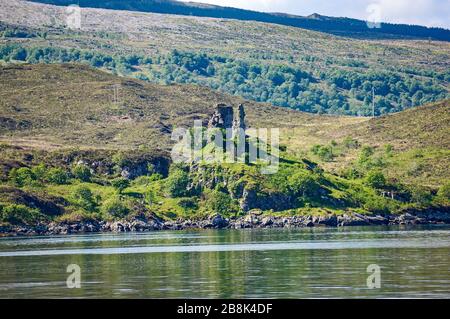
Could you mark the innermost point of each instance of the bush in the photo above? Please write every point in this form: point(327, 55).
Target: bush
point(443, 195)
point(82, 172)
point(57, 176)
point(22, 176)
point(147, 180)
point(303, 184)
point(188, 203)
point(421, 196)
point(351, 143)
point(177, 183)
point(389, 149)
point(376, 205)
point(83, 197)
point(120, 184)
point(325, 153)
point(39, 171)
point(221, 203)
point(20, 215)
point(366, 153)
point(114, 207)
point(444, 191)
point(376, 179)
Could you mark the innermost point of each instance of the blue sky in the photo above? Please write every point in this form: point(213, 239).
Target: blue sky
point(423, 12)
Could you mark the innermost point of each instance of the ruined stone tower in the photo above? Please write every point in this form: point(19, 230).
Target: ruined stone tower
point(226, 117)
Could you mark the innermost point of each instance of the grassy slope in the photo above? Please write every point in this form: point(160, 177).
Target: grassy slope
point(122, 32)
point(57, 107)
point(60, 106)
point(150, 33)
point(343, 26)
point(74, 105)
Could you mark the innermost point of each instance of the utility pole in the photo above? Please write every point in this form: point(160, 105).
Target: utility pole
point(373, 102)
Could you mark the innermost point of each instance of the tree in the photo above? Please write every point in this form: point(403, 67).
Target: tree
point(120, 184)
point(82, 172)
point(177, 183)
point(421, 195)
point(221, 203)
point(19, 54)
point(376, 179)
point(19, 214)
point(303, 184)
point(83, 197)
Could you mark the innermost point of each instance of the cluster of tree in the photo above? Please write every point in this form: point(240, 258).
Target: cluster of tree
point(61, 55)
point(332, 92)
point(292, 87)
point(394, 92)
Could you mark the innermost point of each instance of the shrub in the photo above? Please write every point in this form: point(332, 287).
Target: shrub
point(444, 191)
point(221, 203)
point(142, 181)
point(150, 197)
point(147, 180)
point(388, 149)
point(351, 143)
point(188, 203)
point(39, 171)
point(76, 216)
point(20, 214)
point(366, 153)
point(114, 207)
point(57, 176)
point(325, 153)
point(303, 184)
point(421, 195)
point(83, 197)
point(82, 172)
point(22, 176)
point(376, 205)
point(156, 177)
point(120, 184)
point(443, 195)
point(177, 183)
point(376, 179)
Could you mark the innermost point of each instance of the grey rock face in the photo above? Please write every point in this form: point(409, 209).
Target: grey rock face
point(218, 221)
point(222, 118)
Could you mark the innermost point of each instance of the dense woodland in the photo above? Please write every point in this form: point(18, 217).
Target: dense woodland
point(346, 92)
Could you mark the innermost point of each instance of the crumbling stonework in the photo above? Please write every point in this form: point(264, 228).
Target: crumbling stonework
point(226, 117)
point(239, 119)
point(222, 118)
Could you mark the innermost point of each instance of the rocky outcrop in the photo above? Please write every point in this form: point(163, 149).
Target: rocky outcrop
point(255, 219)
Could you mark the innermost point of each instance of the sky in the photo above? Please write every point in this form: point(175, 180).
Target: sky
point(432, 13)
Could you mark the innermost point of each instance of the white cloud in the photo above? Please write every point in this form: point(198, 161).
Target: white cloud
point(422, 12)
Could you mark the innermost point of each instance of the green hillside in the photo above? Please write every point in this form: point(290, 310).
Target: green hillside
point(73, 149)
point(284, 66)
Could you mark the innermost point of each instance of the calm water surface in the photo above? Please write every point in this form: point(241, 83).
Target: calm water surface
point(300, 263)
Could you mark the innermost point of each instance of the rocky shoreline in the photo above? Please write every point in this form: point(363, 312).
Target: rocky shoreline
point(250, 221)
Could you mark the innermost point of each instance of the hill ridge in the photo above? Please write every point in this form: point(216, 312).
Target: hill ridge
point(337, 26)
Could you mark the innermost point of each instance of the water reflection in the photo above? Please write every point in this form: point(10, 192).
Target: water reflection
point(305, 263)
